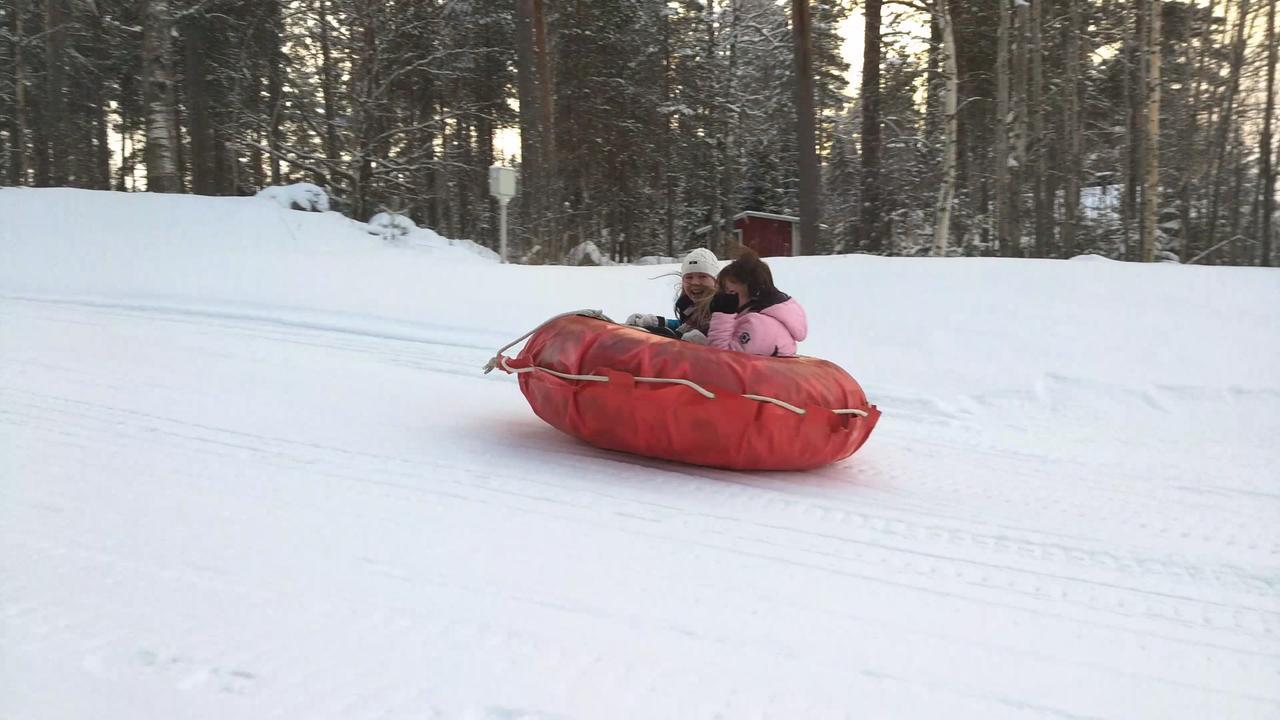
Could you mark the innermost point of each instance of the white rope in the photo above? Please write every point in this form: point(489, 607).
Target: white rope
point(674, 381)
point(549, 371)
point(493, 362)
point(680, 381)
point(500, 359)
point(775, 401)
point(601, 378)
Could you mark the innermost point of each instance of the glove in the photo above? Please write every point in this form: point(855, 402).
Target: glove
point(725, 303)
point(695, 336)
point(644, 320)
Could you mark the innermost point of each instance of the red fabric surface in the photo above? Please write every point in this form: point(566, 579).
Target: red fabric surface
point(675, 422)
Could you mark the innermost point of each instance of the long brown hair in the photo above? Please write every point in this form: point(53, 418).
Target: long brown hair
point(751, 271)
point(699, 315)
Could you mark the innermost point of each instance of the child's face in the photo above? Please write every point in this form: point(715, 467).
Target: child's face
point(735, 287)
point(698, 285)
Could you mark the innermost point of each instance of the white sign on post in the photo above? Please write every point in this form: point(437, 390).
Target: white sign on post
point(502, 185)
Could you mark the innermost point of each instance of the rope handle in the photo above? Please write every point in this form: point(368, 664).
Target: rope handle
point(497, 357)
point(500, 360)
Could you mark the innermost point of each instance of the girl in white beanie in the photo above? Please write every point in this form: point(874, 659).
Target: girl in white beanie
point(693, 307)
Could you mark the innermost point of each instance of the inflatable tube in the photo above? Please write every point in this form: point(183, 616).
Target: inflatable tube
point(639, 393)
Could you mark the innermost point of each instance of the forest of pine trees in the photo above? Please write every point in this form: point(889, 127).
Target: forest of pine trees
point(1134, 129)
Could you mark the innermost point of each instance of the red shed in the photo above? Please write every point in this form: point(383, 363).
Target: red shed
point(768, 234)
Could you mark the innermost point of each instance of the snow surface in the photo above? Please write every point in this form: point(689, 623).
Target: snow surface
point(249, 468)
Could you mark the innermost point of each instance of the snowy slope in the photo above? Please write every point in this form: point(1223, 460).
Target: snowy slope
point(249, 469)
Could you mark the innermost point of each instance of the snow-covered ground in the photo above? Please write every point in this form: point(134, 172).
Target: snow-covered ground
point(249, 468)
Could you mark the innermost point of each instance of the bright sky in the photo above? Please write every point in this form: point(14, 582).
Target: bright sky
point(851, 30)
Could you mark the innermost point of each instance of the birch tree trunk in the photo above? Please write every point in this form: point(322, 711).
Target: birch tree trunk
point(1265, 152)
point(157, 70)
point(806, 132)
point(947, 189)
point(1151, 136)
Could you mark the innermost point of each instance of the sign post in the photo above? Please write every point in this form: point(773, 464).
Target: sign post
point(502, 185)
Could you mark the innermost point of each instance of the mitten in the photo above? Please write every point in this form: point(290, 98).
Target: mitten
point(644, 320)
point(724, 303)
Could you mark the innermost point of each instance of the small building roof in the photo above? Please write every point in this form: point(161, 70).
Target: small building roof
point(791, 219)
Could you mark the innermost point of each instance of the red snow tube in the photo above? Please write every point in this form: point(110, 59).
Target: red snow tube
point(678, 422)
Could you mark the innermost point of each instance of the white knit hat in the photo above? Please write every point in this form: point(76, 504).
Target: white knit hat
point(700, 260)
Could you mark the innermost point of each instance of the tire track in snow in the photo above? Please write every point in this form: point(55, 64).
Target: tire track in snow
point(883, 549)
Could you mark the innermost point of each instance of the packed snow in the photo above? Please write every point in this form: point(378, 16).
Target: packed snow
point(249, 468)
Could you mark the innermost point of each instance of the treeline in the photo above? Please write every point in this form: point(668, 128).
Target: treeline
point(1138, 129)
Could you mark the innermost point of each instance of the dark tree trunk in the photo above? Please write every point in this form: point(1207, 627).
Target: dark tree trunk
point(532, 195)
point(275, 85)
point(1003, 194)
point(1018, 173)
point(196, 93)
point(327, 83)
point(870, 211)
point(1038, 141)
point(1225, 121)
point(1265, 152)
point(665, 140)
point(55, 91)
point(1072, 132)
point(549, 176)
point(18, 134)
point(806, 132)
point(1135, 91)
point(935, 85)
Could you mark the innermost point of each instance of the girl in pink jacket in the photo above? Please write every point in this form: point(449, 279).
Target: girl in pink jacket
point(750, 315)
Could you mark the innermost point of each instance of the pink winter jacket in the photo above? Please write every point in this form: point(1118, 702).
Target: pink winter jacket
point(774, 330)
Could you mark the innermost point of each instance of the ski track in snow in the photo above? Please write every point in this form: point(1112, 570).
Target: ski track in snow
point(342, 519)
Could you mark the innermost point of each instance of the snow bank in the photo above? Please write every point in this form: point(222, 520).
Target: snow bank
point(921, 326)
point(298, 196)
point(400, 230)
point(391, 227)
point(193, 247)
point(588, 253)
